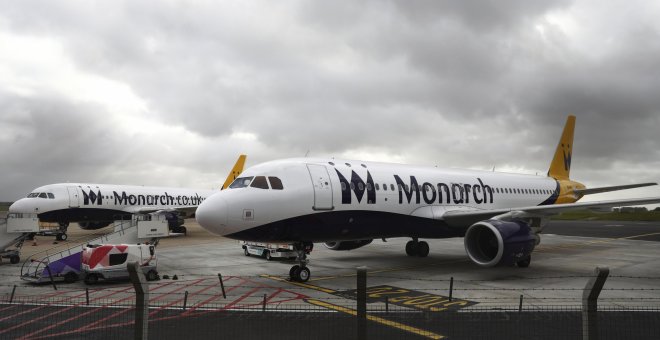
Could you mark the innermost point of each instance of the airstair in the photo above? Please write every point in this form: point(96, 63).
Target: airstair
point(14, 230)
point(65, 264)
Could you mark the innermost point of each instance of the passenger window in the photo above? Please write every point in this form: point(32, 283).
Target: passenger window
point(51, 196)
point(369, 188)
point(352, 186)
point(43, 195)
point(392, 187)
point(343, 186)
point(377, 186)
point(275, 183)
point(241, 182)
point(385, 187)
point(259, 182)
point(116, 259)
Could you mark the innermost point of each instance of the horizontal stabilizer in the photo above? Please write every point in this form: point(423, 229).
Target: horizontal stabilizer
point(612, 188)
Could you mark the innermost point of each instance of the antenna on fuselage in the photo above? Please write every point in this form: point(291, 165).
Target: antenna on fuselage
point(306, 153)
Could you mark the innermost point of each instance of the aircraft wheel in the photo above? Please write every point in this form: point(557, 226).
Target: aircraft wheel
point(411, 248)
point(70, 277)
point(293, 271)
point(422, 249)
point(245, 251)
point(524, 263)
point(14, 259)
point(91, 279)
point(61, 237)
point(302, 274)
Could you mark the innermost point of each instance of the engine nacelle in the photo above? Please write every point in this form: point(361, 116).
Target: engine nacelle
point(493, 242)
point(346, 245)
point(93, 225)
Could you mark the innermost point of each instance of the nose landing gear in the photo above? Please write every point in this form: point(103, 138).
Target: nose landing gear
point(300, 272)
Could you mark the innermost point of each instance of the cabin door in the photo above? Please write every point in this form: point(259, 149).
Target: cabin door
point(322, 187)
point(74, 201)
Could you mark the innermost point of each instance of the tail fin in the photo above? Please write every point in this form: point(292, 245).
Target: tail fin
point(235, 171)
point(560, 167)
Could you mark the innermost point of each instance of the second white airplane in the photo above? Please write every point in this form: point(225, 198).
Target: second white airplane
point(346, 204)
point(95, 206)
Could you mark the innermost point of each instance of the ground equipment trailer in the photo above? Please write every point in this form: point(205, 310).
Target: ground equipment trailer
point(270, 251)
point(110, 261)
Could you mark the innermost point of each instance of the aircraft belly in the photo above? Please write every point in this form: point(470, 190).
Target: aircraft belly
point(347, 225)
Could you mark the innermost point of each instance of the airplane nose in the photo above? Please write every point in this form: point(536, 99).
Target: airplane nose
point(22, 206)
point(212, 215)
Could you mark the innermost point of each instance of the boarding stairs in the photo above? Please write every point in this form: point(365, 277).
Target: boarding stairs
point(14, 230)
point(65, 264)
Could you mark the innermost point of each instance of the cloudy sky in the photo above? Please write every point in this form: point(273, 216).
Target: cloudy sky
point(169, 93)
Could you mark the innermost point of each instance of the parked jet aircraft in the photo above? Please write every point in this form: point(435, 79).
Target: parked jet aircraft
point(95, 206)
point(346, 204)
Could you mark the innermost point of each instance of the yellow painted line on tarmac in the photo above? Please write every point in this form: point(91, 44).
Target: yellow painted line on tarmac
point(300, 284)
point(379, 320)
point(387, 270)
point(643, 235)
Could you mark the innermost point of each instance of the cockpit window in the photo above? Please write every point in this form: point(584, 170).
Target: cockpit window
point(275, 183)
point(51, 196)
point(33, 194)
point(241, 182)
point(259, 182)
point(43, 195)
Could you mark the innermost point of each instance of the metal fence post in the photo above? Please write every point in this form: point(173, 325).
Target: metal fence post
point(222, 286)
point(87, 296)
point(362, 303)
point(185, 300)
point(590, 303)
point(141, 301)
point(451, 288)
point(11, 298)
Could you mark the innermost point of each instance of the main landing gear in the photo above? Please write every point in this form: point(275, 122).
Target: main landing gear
point(300, 272)
point(417, 248)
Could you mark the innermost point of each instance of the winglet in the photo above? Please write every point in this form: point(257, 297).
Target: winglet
point(235, 171)
point(560, 167)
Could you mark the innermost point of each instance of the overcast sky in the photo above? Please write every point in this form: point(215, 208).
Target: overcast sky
point(169, 93)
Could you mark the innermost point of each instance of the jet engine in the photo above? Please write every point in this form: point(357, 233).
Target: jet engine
point(93, 225)
point(494, 242)
point(346, 245)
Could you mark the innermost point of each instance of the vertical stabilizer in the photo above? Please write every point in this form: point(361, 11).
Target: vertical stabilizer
point(560, 167)
point(235, 171)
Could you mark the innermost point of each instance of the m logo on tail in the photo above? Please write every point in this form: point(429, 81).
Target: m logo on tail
point(567, 157)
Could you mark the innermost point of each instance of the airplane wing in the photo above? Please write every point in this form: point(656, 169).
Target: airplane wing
point(461, 218)
point(608, 189)
point(184, 210)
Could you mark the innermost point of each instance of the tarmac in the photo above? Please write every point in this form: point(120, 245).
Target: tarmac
point(205, 265)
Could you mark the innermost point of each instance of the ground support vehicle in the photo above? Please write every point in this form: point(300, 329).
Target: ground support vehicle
point(269, 250)
point(110, 261)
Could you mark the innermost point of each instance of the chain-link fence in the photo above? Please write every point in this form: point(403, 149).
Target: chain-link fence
point(264, 308)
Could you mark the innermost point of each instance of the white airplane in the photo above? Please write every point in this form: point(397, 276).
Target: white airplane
point(346, 204)
point(95, 206)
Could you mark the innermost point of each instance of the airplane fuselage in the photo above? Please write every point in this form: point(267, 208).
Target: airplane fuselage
point(328, 200)
point(84, 202)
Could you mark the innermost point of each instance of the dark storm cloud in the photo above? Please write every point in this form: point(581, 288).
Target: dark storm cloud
point(453, 83)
